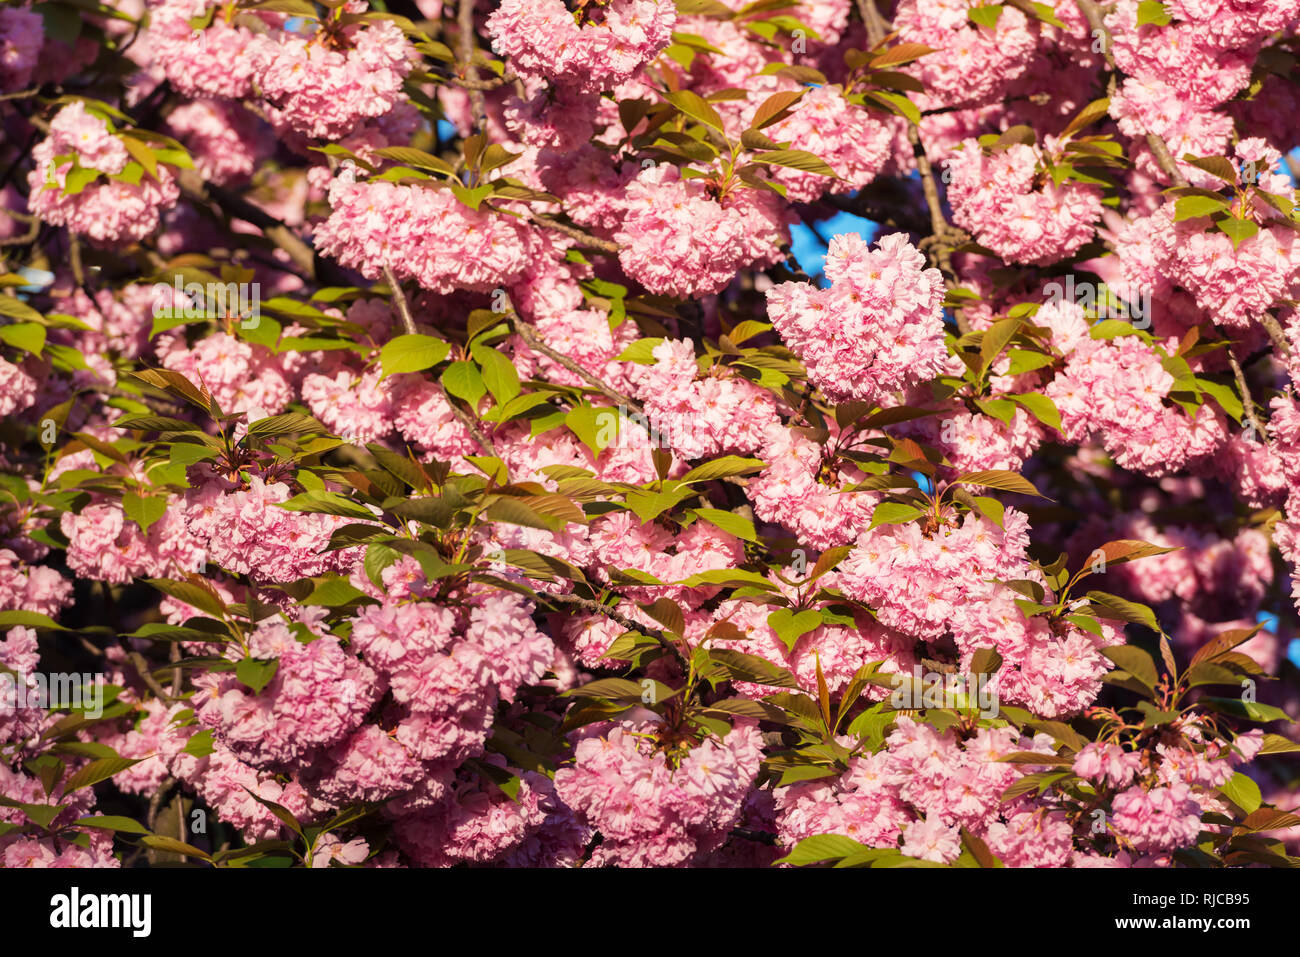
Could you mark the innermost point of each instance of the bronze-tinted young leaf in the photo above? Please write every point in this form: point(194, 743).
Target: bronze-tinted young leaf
point(1224, 642)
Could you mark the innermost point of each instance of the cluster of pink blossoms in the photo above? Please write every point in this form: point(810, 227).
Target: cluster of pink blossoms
point(106, 211)
point(244, 532)
point(20, 45)
point(702, 416)
point(974, 64)
point(103, 544)
point(853, 143)
point(423, 234)
point(325, 85)
point(434, 668)
point(650, 813)
point(742, 230)
point(1012, 206)
point(214, 61)
point(1116, 389)
point(804, 492)
point(543, 40)
point(921, 788)
point(223, 138)
point(877, 329)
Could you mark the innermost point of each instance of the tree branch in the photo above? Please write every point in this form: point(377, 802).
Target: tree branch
point(1097, 23)
point(408, 323)
point(573, 232)
point(1247, 403)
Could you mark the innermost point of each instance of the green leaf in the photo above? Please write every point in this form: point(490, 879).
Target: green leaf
point(473, 198)
point(1192, 207)
point(1040, 407)
point(640, 351)
point(462, 379)
point(894, 513)
point(40, 814)
point(327, 503)
point(28, 619)
point(144, 511)
point(791, 626)
point(200, 744)
point(996, 338)
point(822, 847)
point(796, 159)
point(897, 103)
point(282, 813)
point(1238, 230)
point(775, 108)
point(724, 467)
point(112, 822)
point(172, 846)
point(1217, 166)
point(696, 107)
point(1225, 395)
point(256, 673)
point(999, 479)
point(1152, 11)
point(1087, 116)
point(412, 353)
point(1113, 606)
point(28, 336)
point(333, 592)
point(155, 423)
point(1135, 661)
point(417, 158)
point(1243, 792)
point(191, 593)
point(290, 423)
point(499, 373)
point(729, 522)
point(98, 770)
point(985, 16)
point(515, 512)
point(743, 667)
point(1249, 710)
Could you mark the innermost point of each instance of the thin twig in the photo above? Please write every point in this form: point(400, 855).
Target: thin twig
point(33, 228)
point(468, 421)
point(74, 259)
point(234, 205)
point(465, 60)
point(399, 300)
point(496, 82)
point(535, 342)
point(146, 675)
point(595, 607)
